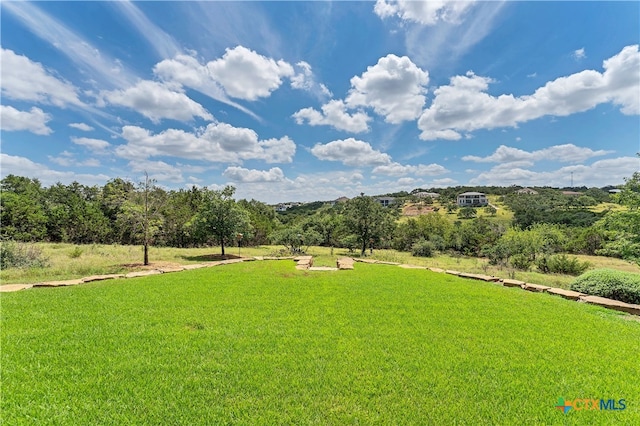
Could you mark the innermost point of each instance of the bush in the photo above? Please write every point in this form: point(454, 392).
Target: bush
point(618, 285)
point(75, 253)
point(520, 261)
point(561, 264)
point(19, 255)
point(423, 248)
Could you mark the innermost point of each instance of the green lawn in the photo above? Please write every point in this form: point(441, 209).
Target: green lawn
point(262, 343)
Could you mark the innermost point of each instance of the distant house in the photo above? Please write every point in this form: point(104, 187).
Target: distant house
point(282, 207)
point(472, 199)
point(615, 191)
point(527, 191)
point(427, 194)
point(386, 201)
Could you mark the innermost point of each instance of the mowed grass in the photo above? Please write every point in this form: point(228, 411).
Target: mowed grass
point(262, 343)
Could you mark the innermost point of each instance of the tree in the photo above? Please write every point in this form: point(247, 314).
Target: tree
point(295, 238)
point(21, 209)
point(365, 218)
point(221, 217)
point(142, 213)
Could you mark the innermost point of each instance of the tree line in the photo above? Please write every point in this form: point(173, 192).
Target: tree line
point(121, 212)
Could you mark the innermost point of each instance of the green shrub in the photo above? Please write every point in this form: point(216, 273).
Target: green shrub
point(75, 253)
point(423, 248)
point(19, 255)
point(561, 264)
point(618, 285)
point(520, 261)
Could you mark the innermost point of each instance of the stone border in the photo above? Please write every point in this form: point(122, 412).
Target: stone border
point(346, 263)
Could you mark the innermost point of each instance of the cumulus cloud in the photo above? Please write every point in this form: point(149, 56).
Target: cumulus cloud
point(423, 12)
point(157, 101)
point(34, 120)
point(22, 166)
point(81, 126)
point(394, 88)
point(240, 174)
point(579, 54)
point(304, 79)
point(599, 173)
point(397, 169)
point(158, 170)
point(350, 152)
point(93, 144)
point(464, 105)
point(67, 159)
point(245, 74)
point(218, 142)
point(566, 153)
point(334, 114)
point(25, 80)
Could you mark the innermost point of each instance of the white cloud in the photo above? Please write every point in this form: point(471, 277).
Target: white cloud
point(189, 72)
point(350, 152)
point(334, 114)
point(164, 45)
point(67, 159)
point(34, 121)
point(600, 173)
point(22, 166)
point(81, 126)
point(424, 12)
point(566, 153)
point(394, 88)
point(579, 54)
point(304, 79)
point(239, 174)
point(157, 101)
point(397, 169)
point(25, 80)
point(245, 74)
point(218, 142)
point(158, 170)
point(79, 50)
point(465, 105)
point(97, 145)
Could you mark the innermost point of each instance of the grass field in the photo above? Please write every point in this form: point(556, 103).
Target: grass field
point(110, 259)
point(262, 343)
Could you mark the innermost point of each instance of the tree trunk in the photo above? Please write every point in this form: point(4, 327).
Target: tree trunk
point(146, 253)
point(222, 246)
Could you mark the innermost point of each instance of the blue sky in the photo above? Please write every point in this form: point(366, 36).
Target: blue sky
point(302, 101)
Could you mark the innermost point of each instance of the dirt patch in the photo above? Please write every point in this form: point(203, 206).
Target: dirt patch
point(416, 210)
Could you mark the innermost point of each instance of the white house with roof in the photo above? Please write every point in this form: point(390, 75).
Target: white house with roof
point(386, 201)
point(472, 199)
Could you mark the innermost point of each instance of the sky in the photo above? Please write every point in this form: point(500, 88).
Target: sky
point(311, 100)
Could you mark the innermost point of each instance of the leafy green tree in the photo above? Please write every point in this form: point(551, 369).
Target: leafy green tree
point(365, 218)
point(221, 217)
point(22, 212)
point(467, 213)
point(263, 220)
point(296, 239)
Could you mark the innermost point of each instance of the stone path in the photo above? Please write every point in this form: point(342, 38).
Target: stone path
point(346, 263)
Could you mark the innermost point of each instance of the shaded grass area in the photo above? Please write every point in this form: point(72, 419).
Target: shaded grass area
point(261, 343)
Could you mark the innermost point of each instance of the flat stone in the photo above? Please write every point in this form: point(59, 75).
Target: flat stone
point(407, 266)
point(301, 258)
point(451, 272)
point(536, 287)
point(174, 269)
point(14, 287)
point(194, 266)
point(322, 268)
point(612, 304)
point(302, 267)
point(482, 277)
point(142, 273)
point(438, 270)
point(345, 263)
point(513, 283)
point(101, 277)
point(258, 257)
point(384, 262)
point(59, 283)
point(567, 294)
